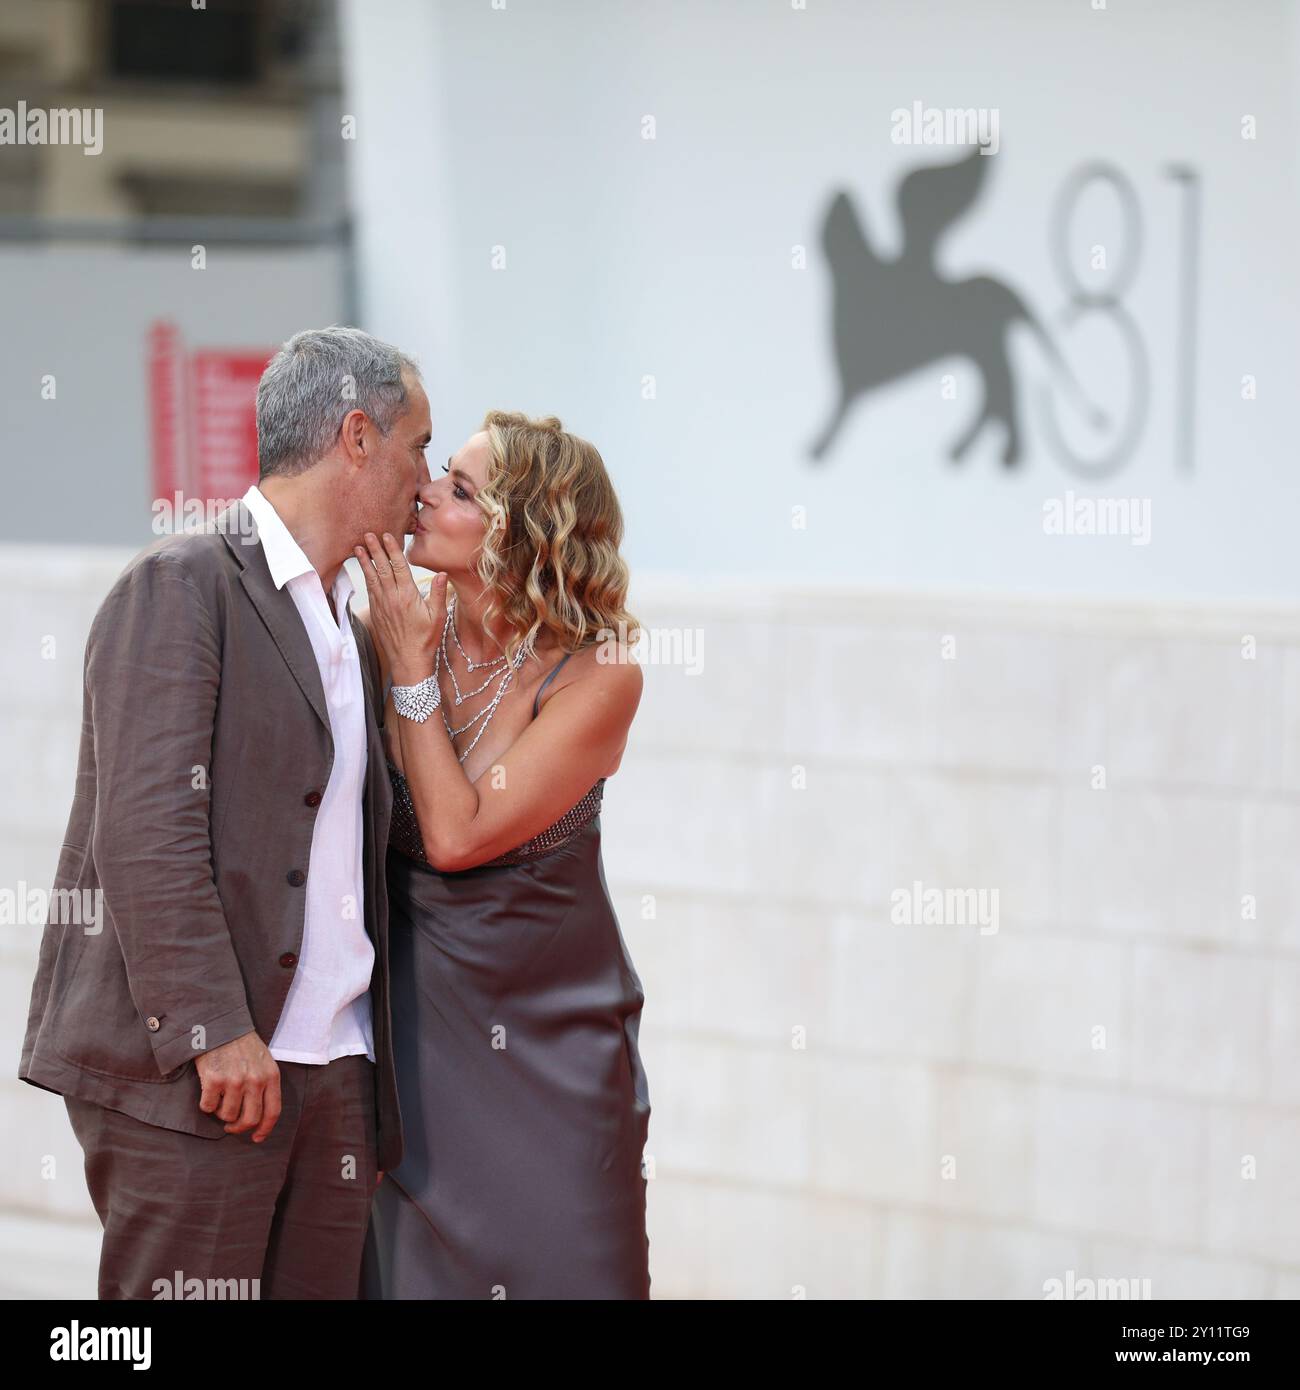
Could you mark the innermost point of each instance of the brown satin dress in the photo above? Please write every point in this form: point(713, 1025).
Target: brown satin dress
point(524, 1103)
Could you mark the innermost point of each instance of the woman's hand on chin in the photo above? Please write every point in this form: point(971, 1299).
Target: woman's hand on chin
point(407, 624)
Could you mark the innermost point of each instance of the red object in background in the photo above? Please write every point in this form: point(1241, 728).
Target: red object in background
point(165, 407)
point(223, 395)
point(203, 417)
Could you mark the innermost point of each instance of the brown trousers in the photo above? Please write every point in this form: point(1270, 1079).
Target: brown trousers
point(283, 1219)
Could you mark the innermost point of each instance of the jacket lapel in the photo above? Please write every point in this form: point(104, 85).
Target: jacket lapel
point(369, 680)
point(275, 606)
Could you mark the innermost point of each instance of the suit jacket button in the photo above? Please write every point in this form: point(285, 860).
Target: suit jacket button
point(296, 877)
point(312, 798)
point(288, 959)
point(152, 1024)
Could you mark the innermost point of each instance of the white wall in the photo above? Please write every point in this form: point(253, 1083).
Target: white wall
point(1115, 1154)
point(48, 1228)
point(819, 1166)
point(521, 128)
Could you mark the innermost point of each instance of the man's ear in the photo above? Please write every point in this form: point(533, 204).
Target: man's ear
point(353, 432)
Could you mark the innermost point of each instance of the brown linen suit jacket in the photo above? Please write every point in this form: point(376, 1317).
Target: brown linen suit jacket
point(205, 749)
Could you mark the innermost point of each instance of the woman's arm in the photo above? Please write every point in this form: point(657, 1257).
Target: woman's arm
point(547, 770)
point(550, 767)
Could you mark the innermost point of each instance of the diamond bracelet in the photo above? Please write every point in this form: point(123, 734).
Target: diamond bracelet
point(418, 702)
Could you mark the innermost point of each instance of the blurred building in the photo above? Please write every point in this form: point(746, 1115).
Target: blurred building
point(151, 279)
point(238, 119)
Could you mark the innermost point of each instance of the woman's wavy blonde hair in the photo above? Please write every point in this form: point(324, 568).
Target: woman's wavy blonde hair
point(550, 547)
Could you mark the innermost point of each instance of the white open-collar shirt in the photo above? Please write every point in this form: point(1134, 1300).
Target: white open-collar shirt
point(327, 1013)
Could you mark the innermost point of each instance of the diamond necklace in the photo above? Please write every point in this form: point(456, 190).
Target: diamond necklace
point(441, 656)
point(496, 662)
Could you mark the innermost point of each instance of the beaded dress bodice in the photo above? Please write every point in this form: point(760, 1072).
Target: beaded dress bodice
point(404, 832)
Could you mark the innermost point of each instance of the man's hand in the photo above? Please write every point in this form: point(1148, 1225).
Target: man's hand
point(241, 1085)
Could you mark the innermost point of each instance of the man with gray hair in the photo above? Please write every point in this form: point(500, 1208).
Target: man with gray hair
point(222, 1037)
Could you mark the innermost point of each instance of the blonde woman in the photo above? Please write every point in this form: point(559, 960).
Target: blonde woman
point(515, 1004)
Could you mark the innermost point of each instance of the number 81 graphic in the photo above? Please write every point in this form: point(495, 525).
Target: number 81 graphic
point(1084, 302)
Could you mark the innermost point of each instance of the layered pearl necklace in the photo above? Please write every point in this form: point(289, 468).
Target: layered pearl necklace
point(498, 667)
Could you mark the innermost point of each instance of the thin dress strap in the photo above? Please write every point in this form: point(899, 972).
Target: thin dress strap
point(550, 677)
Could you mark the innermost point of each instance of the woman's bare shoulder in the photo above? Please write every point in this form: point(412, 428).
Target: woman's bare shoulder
point(614, 686)
point(614, 672)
